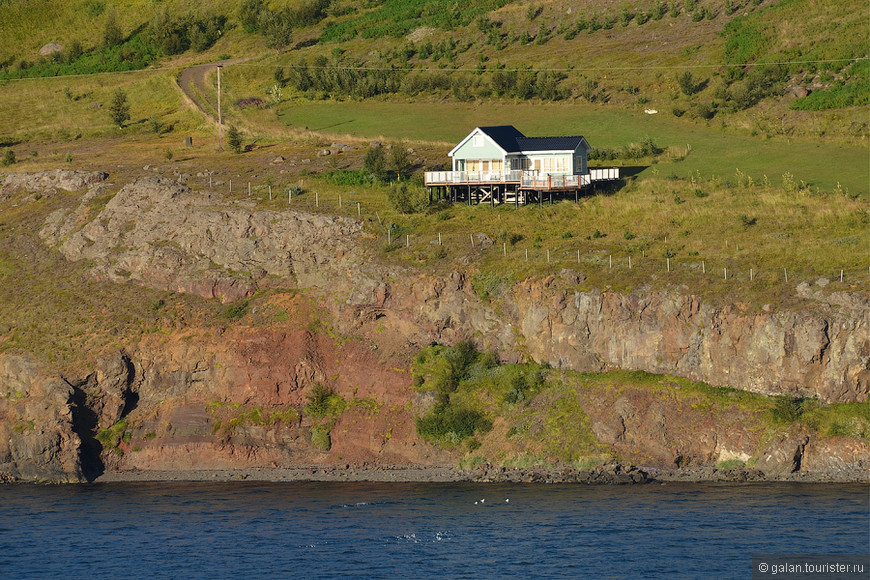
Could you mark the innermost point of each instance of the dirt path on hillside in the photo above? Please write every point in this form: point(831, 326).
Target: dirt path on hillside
point(193, 84)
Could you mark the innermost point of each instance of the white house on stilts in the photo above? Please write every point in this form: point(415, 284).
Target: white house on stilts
point(501, 165)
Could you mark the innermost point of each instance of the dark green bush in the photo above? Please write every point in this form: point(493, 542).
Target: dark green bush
point(319, 400)
point(787, 408)
point(8, 157)
point(406, 198)
point(236, 310)
point(446, 423)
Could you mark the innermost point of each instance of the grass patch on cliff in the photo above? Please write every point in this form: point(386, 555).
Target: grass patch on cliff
point(111, 437)
point(539, 415)
point(529, 415)
point(850, 420)
point(229, 417)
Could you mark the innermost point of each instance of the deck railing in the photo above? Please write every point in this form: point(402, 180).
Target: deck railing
point(604, 173)
point(554, 181)
point(462, 177)
point(527, 179)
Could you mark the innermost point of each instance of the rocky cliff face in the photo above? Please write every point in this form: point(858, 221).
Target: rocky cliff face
point(204, 400)
point(161, 234)
point(235, 397)
point(819, 353)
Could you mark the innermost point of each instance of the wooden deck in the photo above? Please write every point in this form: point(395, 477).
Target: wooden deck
point(516, 187)
point(520, 179)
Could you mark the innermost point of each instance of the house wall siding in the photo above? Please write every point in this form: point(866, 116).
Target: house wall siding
point(488, 150)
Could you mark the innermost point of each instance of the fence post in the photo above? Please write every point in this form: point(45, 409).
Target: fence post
point(316, 200)
point(504, 248)
point(471, 236)
point(270, 193)
point(548, 255)
point(339, 201)
point(527, 256)
point(725, 271)
point(231, 185)
point(785, 271)
point(750, 274)
point(841, 276)
point(358, 211)
point(611, 261)
point(439, 238)
point(407, 241)
point(703, 267)
point(249, 189)
point(669, 264)
point(629, 262)
point(578, 256)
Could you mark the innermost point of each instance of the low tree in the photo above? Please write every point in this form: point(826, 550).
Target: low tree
point(119, 109)
point(407, 198)
point(687, 83)
point(112, 34)
point(375, 161)
point(400, 163)
point(234, 139)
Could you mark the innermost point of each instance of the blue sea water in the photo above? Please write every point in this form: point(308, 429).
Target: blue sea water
point(401, 530)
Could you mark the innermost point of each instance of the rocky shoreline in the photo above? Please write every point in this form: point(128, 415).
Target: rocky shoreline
point(608, 474)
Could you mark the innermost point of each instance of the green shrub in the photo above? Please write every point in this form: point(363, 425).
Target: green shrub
point(234, 139)
point(323, 401)
point(406, 198)
point(375, 161)
point(488, 286)
point(236, 310)
point(451, 424)
point(320, 437)
point(787, 408)
point(687, 82)
point(119, 109)
point(8, 157)
point(400, 163)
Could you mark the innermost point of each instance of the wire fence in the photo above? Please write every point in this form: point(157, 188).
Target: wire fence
point(736, 268)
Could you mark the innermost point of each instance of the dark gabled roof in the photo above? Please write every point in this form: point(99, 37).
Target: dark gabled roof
point(512, 141)
point(505, 136)
point(549, 143)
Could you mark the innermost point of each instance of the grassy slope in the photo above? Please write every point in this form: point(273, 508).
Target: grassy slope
point(665, 216)
point(713, 151)
point(27, 25)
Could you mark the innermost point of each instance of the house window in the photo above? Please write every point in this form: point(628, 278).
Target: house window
point(556, 164)
point(523, 163)
point(477, 141)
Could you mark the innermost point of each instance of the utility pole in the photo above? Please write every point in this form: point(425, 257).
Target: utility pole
point(220, 116)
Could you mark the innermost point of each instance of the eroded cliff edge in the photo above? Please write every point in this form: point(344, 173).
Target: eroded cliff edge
point(175, 398)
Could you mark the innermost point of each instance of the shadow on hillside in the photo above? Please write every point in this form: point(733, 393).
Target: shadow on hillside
point(631, 170)
point(331, 126)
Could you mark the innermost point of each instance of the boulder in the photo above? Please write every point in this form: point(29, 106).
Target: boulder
point(50, 48)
